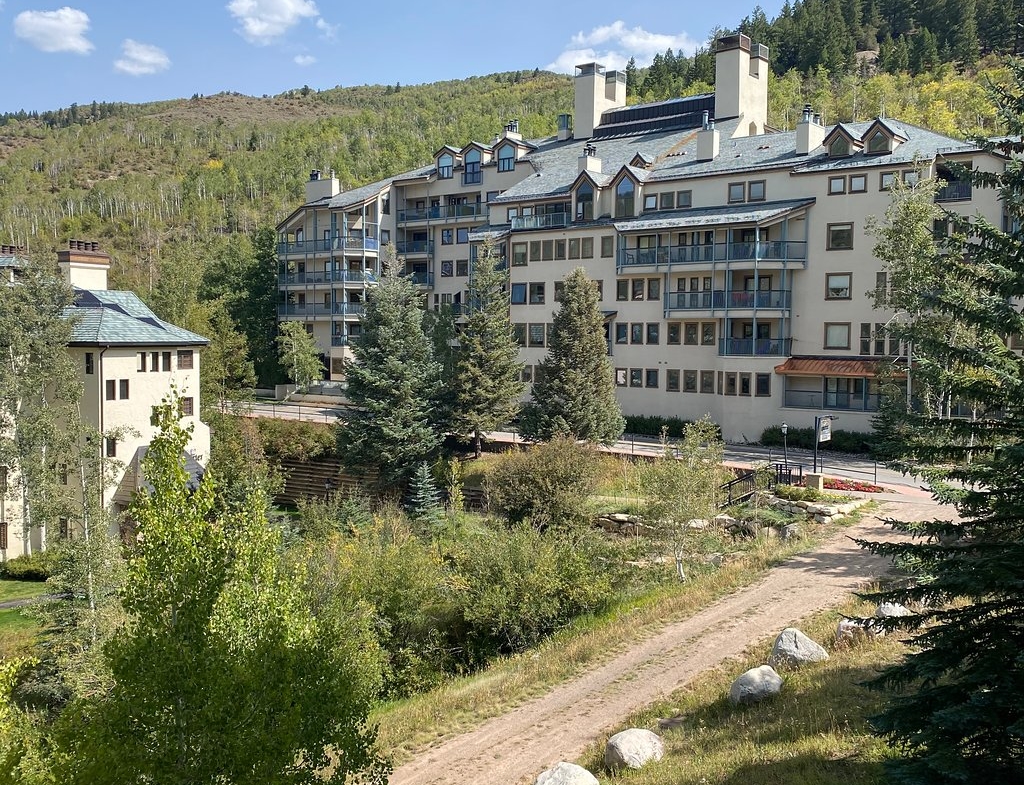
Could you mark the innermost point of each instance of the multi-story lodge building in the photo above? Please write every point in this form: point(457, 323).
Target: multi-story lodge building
point(128, 361)
point(733, 260)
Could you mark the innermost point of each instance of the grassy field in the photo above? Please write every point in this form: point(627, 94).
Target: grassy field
point(17, 631)
point(815, 732)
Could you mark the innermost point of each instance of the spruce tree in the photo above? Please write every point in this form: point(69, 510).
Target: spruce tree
point(574, 394)
point(488, 376)
point(391, 385)
point(957, 715)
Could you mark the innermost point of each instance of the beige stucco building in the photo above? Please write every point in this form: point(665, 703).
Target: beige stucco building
point(733, 260)
point(128, 361)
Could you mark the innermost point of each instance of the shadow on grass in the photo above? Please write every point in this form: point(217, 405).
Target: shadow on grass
point(808, 770)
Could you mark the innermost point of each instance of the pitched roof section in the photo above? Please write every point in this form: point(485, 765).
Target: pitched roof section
point(758, 215)
point(112, 318)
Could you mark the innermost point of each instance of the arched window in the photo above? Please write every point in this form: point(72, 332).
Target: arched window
point(444, 167)
point(506, 158)
point(585, 202)
point(625, 199)
point(839, 148)
point(472, 174)
point(878, 143)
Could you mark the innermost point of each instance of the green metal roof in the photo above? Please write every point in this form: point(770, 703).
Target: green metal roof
point(116, 318)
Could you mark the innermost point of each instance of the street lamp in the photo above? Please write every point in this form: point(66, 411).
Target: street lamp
point(785, 446)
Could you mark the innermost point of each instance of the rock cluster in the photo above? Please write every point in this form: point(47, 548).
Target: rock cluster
point(819, 512)
point(622, 523)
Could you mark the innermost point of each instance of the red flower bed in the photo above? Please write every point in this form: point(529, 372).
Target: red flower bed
point(840, 484)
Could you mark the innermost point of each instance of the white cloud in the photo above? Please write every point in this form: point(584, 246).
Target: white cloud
point(140, 59)
point(261, 21)
point(304, 60)
point(62, 30)
point(613, 45)
point(326, 28)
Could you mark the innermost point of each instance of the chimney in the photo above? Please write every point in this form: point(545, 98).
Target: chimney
point(588, 160)
point(84, 265)
point(741, 83)
point(564, 127)
point(596, 93)
point(708, 140)
point(810, 133)
point(511, 131)
point(320, 187)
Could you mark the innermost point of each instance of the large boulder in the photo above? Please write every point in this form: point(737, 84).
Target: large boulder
point(888, 609)
point(563, 773)
point(794, 649)
point(632, 748)
point(755, 685)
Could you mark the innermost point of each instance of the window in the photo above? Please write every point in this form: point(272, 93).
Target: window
point(885, 180)
point(672, 380)
point(123, 385)
point(707, 381)
point(585, 202)
point(684, 199)
point(188, 406)
point(185, 359)
point(636, 332)
point(865, 337)
point(653, 332)
point(707, 334)
point(110, 390)
point(507, 158)
point(154, 361)
point(621, 332)
point(737, 192)
point(537, 293)
point(839, 148)
point(607, 246)
point(462, 236)
point(560, 249)
point(881, 283)
point(518, 294)
point(518, 254)
point(90, 363)
point(837, 185)
point(587, 248)
point(625, 195)
point(165, 361)
point(858, 183)
point(911, 177)
point(574, 248)
point(762, 385)
point(638, 289)
point(878, 143)
point(690, 381)
point(519, 333)
point(674, 334)
point(62, 528)
point(636, 377)
point(559, 290)
point(110, 447)
point(462, 266)
point(668, 200)
point(651, 377)
point(141, 365)
point(838, 286)
point(622, 289)
point(730, 383)
point(444, 167)
point(527, 374)
point(535, 335)
point(840, 237)
point(621, 377)
point(650, 202)
point(471, 175)
point(447, 269)
point(547, 250)
point(447, 236)
point(492, 195)
point(653, 288)
point(599, 285)
point(837, 335)
point(535, 250)
point(744, 384)
point(755, 191)
point(690, 334)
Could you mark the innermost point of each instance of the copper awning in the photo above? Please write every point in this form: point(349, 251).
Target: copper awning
point(848, 367)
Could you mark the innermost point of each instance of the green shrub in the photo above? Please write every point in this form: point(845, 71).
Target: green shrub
point(548, 484)
point(795, 493)
point(296, 440)
point(34, 567)
point(652, 425)
point(803, 438)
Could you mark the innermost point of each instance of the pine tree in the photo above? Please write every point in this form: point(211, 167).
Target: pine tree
point(574, 394)
point(300, 355)
point(632, 87)
point(424, 499)
point(487, 382)
point(391, 385)
point(958, 713)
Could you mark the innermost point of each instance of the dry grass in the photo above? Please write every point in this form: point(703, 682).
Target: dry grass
point(814, 732)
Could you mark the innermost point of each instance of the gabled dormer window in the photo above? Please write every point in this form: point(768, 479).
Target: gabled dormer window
point(471, 175)
point(840, 147)
point(445, 164)
point(625, 199)
point(879, 143)
point(585, 202)
point(506, 158)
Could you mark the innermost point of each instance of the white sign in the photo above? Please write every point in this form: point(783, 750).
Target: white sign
point(825, 430)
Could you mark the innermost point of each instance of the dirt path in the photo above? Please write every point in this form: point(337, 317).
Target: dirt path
point(515, 747)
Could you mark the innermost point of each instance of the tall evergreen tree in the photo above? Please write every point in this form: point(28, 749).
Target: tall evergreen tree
point(574, 394)
point(391, 384)
point(487, 382)
point(958, 712)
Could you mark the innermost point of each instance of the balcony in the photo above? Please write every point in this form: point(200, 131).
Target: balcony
point(810, 399)
point(754, 347)
point(347, 309)
point(669, 256)
point(771, 299)
point(286, 279)
point(353, 276)
point(444, 212)
point(304, 309)
point(415, 248)
point(550, 221)
point(339, 243)
point(421, 278)
point(339, 340)
point(957, 191)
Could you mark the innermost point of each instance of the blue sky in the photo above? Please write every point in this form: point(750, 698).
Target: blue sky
point(52, 55)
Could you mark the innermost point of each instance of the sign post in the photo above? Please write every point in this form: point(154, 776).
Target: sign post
point(822, 433)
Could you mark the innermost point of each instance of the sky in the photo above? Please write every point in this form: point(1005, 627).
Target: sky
point(53, 55)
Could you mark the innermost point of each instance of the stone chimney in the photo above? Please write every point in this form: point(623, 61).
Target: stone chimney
point(810, 132)
point(84, 265)
point(511, 131)
point(596, 93)
point(588, 160)
point(741, 84)
point(320, 187)
point(708, 140)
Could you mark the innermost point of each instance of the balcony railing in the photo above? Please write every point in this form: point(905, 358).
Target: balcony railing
point(339, 243)
point(667, 256)
point(306, 309)
point(421, 278)
point(339, 340)
point(326, 276)
point(347, 309)
point(754, 347)
point(550, 221)
point(773, 299)
point(810, 399)
point(414, 247)
point(444, 212)
point(957, 191)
